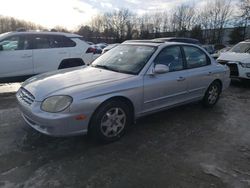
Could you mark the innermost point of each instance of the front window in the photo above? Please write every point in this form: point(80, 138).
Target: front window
point(241, 48)
point(172, 57)
point(15, 43)
point(125, 58)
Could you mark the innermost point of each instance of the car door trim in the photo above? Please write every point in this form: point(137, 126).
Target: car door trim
point(165, 97)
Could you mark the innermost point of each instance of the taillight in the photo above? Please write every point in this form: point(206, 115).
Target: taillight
point(91, 50)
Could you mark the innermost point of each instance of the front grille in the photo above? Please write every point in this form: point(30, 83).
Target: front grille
point(232, 66)
point(25, 96)
point(233, 69)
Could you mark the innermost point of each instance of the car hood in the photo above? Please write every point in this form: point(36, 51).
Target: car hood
point(47, 84)
point(232, 56)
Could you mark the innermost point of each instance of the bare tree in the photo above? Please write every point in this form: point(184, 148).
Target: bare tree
point(214, 17)
point(157, 22)
point(209, 20)
point(182, 17)
point(120, 20)
point(165, 22)
point(12, 24)
point(245, 13)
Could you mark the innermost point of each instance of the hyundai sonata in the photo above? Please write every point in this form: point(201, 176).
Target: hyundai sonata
point(130, 81)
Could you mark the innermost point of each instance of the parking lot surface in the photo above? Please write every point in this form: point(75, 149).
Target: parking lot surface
point(188, 146)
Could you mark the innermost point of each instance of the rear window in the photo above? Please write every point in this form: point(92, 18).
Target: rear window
point(52, 41)
point(62, 42)
point(195, 57)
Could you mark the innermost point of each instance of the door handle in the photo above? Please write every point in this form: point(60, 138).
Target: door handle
point(209, 73)
point(62, 52)
point(181, 78)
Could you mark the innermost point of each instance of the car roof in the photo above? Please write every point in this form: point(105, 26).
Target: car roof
point(156, 43)
point(144, 42)
point(178, 39)
point(70, 35)
point(170, 38)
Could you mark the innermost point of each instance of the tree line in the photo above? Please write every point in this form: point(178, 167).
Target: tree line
point(205, 23)
point(12, 24)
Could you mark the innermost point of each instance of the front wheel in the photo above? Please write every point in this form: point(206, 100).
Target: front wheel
point(110, 121)
point(212, 94)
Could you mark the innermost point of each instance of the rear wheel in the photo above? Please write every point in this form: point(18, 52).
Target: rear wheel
point(212, 94)
point(110, 121)
point(245, 81)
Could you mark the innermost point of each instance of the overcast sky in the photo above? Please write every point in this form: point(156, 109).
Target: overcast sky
point(72, 13)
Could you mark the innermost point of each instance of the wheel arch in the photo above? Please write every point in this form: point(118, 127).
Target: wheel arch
point(65, 63)
point(218, 81)
point(115, 98)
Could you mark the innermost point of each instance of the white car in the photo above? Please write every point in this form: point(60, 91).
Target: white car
point(238, 60)
point(23, 54)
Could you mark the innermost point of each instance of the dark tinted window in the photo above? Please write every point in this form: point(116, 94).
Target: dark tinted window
point(195, 57)
point(41, 42)
point(52, 41)
point(15, 43)
point(58, 41)
point(172, 57)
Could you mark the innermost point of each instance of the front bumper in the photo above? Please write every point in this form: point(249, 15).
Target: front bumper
point(236, 70)
point(53, 124)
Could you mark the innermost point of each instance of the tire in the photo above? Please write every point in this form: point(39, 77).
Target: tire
point(212, 94)
point(245, 81)
point(110, 121)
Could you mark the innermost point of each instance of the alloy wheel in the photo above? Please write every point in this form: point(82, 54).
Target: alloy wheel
point(113, 122)
point(213, 94)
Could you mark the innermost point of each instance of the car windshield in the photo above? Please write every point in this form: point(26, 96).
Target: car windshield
point(125, 58)
point(243, 47)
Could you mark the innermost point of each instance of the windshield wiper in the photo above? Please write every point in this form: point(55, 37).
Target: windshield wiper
point(106, 67)
point(102, 67)
point(112, 69)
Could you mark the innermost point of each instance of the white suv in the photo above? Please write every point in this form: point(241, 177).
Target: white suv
point(238, 60)
point(23, 54)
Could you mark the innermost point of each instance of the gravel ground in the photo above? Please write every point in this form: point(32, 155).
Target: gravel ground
point(188, 146)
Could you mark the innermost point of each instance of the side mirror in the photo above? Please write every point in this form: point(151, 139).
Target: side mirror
point(1, 48)
point(161, 69)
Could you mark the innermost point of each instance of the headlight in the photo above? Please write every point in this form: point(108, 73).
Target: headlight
point(56, 103)
point(245, 65)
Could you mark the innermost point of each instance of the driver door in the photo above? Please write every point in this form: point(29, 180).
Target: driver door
point(16, 56)
point(167, 89)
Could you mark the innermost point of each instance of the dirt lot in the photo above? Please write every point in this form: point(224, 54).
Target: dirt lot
point(188, 146)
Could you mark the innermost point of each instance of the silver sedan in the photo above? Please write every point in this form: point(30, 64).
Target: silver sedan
point(130, 81)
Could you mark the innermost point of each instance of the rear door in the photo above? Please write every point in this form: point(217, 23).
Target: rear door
point(162, 90)
point(200, 71)
point(49, 51)
point(16, 56)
